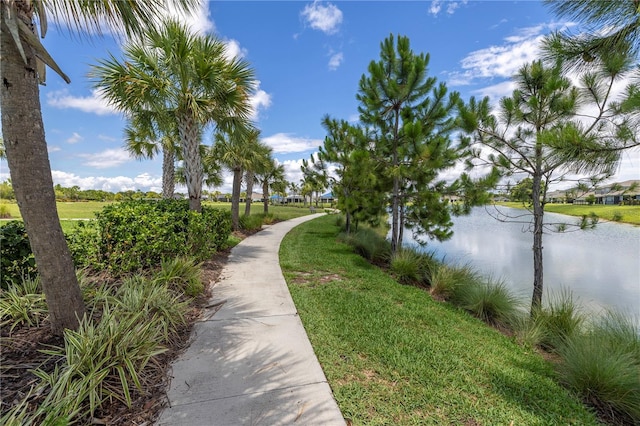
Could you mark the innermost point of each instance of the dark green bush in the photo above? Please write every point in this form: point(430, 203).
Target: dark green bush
point(16, 259)
point(139, 234)
point(84, 244)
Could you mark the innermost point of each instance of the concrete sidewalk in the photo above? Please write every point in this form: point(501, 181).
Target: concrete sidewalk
point(251, 362)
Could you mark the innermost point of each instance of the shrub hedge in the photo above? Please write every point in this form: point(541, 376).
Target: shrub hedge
point(16, 259)
point(139, 234)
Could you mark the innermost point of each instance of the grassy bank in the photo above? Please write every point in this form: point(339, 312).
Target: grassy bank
point(393, 355)
point(624, 214)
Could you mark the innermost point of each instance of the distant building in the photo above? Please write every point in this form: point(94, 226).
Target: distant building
point(611, 194)
point(617, 193)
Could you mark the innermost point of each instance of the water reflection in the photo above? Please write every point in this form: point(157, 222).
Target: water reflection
point(600, 266)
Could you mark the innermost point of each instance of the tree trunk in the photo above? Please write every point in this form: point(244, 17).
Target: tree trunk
point(538, 216)
point(247, 205)
point(189, 131)
point(265, 196)
point(235, 199)
point(168, 172)
point(26, 151)
point(395, 201)
point(401, 226)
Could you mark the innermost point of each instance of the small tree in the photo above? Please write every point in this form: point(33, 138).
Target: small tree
point(359, 195)
point(271, 177)
point(411, 119)
point(541, 132)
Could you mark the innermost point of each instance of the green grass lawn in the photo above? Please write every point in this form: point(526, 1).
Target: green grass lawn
point(279, 212)
point(392, 355)
point(87, 210)
point(629, 214)
point(67, 210)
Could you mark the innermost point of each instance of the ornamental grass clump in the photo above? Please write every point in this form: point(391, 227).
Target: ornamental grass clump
point(252, 222)
point(181, 274)
point(369, 244)
point(560, 319)
point(155, 300)
point(429, 264)
point(526, 330)
point(99, 362)
point(605, 374)
point(620, 330)
point(455, 284)
point(492, 302)
point(406, 265)
point(23, 304)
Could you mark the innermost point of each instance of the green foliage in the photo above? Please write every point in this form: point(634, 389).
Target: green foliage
point(16, 258)
point(560, 319)
point(620, 331)
point(139, 234)
point(100, 361)
point(523, 191)
point(406, 265)
point(492, 302)
point(22, 304)
point(605, 375)
point(5, 212)
point(6, 191)
point(107, 356)
point(370, 245)
point(617, 217)
point(527, 331)
point(411, 118)
point(155, 299)
point(84, 244)
point(455, 283)
point(181, 274)
point(252, 222)
point(429, 264)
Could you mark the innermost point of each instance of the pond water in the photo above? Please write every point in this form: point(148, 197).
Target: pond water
point(601, 267)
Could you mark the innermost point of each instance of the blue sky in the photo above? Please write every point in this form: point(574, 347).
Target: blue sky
point(308, 58)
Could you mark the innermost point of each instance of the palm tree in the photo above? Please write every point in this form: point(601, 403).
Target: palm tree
point(271, 177)
point(22, 69)
point(145, 135)
point(173, 70)
point(612, 28)
point(260, 161)
point(235, 150)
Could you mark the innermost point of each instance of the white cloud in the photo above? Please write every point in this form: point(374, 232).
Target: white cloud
point(335, 61)
point(259, 101)
point(106, 159)
point(324, 18)
point(436, 6)
point(95, 103)
point(497, 91)
point(233, 49)
point(292, 171)
point(107, 138)
point(199, 20)
point(144, 182)
point(53, 148)
point(354, 118)
point(75, 138)
point(286, 143)
point(504, 61)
